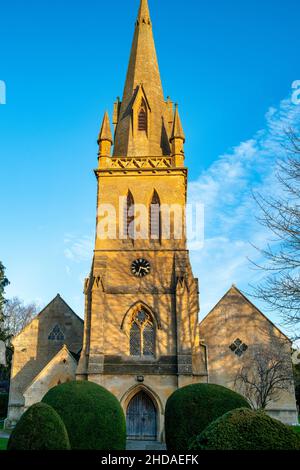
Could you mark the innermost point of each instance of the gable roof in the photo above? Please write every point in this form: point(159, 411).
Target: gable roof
point(63, 350)
point(56, 298)
point(234, 289)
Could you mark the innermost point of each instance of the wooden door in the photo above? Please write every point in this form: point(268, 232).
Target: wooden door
point(141, 418)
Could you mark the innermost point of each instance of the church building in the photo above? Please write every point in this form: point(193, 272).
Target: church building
point(141, 337)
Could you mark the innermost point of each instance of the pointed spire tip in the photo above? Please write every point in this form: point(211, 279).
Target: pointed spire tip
point(177, 132)
point(105, 132)
point(144, 13)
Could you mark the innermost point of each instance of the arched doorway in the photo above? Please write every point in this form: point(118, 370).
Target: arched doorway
point(141, 418)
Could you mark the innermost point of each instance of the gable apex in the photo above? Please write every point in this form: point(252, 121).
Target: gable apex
point(235, 291)
point(57, 299)
point(63, 353)
point(140, 92)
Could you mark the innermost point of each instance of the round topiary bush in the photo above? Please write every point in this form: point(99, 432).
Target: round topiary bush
point(191, 409)
point(245, 429)
point(40, 428)
point(92, 415)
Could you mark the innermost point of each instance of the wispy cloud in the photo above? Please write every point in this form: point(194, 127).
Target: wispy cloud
point(225, 189)
point(78, 249)
point(78, 254)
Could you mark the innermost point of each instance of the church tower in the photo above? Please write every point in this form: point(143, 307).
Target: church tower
point(141, 337)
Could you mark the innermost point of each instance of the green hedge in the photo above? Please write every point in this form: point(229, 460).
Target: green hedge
point(191, 409)
point(92, 415)
point(3, 404)
point(245, 429)
point(40, 428)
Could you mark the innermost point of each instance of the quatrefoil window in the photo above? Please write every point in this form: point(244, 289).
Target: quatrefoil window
point(238, 347)
point(56, 334)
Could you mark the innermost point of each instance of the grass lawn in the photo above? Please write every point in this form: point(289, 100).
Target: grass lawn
point(3, 443)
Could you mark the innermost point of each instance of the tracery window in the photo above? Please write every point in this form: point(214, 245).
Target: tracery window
point(142, 334)
point(56, 334)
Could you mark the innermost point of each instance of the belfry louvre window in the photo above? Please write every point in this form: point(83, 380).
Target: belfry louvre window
point(142, 118)
point(128, 216)
point(142, 335)
point(56, 334)
point(155, 218)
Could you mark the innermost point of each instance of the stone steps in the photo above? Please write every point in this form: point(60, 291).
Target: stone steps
point(145, 445)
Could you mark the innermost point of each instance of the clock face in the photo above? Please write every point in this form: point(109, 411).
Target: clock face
point(140, 267)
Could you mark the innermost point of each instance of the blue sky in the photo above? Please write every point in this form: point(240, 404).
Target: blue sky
point(230, 66)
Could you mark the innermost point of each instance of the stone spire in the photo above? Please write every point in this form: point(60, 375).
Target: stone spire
point(142, 86)
point(105, 139)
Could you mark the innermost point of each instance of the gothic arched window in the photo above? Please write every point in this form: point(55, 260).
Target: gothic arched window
point(142, 117)
point(142, 334)
point(129, 217)
point(56, 334)
point(155, 218)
